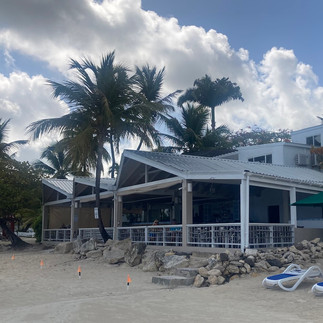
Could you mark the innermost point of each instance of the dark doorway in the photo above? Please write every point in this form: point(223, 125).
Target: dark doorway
point(273, 214)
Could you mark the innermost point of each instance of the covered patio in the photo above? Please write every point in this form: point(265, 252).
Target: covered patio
point(199, 202)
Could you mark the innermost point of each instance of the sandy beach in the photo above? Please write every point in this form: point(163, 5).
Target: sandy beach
point(55, 293)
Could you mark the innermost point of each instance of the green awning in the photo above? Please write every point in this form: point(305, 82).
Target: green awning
point(313, 200)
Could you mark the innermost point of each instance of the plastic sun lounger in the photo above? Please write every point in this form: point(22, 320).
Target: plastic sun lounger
point(292, 273)
point(317, 289)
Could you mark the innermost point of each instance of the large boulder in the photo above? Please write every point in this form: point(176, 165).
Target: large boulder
point(133, 255)
point(64, 247)
point(115, 250)
point(89, 245)
point(149, 261)
point(174, 261)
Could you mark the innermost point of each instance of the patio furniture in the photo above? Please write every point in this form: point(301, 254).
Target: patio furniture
point(293, 273)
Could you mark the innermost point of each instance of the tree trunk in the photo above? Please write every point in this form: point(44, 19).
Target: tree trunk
point(213, 118)
point(140, 144)
point(104, 233)
point(16, 242)
point(113, 158)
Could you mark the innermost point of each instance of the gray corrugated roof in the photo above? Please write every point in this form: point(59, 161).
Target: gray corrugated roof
point(105, 183)
point(65, 186)
point(187, 165)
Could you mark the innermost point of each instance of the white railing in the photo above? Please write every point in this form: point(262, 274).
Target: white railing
point(264, 235)
point(57, 234)
point(224, 235)
point(88, 233)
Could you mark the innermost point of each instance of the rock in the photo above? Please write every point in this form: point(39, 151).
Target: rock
point(186, 272)
point(94, 253)
point(77, 244)
point(148, 261)
point(122, 244)
point(251, 252)
point(250, 261)
point(233, 269)
point(248, 268)
point(274, 262)
point(299, 246)
point(234, 277)
point(273, 269)
point(203, 272)
point(262, 264)
point(64, 247)
point(113, 255)
point(221, 280)
point(88, 246)
point(213, 280)
point(214, 272)
point(133, 255)
point(198, 281)
point(196, 262)
point(223, 256)
point(212, 261)
point(315, 241)
point(243, 270)
point(173, 281)
point(236, 263)
point(175, 262)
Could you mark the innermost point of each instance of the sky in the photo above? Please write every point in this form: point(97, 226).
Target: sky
point(271, 48)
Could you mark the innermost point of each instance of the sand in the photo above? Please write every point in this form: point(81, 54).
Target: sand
point(55, 293)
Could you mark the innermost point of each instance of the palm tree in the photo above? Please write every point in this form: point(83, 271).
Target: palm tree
point(191, 133)
point(149, 84)
point(211, 94)
point(6, 147)
point(58, 165)
point(187, 134)
point(103, 110)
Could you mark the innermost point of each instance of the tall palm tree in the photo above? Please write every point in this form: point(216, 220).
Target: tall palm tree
point(211, 94)
point(98, 100)
point(188, 132)
point(149, 82)
point(58, 165)
point(191, 133)
point(7, 147)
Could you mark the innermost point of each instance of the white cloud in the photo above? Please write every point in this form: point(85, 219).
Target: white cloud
point(279, 91)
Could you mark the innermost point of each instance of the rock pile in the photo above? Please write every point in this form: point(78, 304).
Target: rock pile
point(201, 271)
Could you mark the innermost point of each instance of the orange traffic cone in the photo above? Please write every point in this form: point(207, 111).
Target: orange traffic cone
point(79, 271)
point(41, 264)
point(13, 257)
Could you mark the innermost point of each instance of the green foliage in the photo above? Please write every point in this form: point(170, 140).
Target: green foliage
point(37, 226)
point(20, 191)
point(257, 136)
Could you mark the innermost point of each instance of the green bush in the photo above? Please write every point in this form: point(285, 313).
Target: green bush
point(37, 226)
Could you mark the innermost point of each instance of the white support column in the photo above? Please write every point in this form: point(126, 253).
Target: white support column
point(72, 219)
point(244, 212)
point(43, 224)
point(187, 209)
point(293, 211)
point(117, 214)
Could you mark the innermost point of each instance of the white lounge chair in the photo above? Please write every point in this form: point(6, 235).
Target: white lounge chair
point(292, 273)
point(317, 289)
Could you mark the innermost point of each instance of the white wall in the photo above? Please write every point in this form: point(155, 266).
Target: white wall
point(300, 136)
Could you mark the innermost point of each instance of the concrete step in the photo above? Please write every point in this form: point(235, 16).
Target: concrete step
point(173, 281)
point(187, 272)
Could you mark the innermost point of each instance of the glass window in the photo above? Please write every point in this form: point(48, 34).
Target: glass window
point(314, 141)
point(260, 159)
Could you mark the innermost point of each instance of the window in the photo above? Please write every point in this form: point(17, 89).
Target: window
point(267, 159)
point(314, 141)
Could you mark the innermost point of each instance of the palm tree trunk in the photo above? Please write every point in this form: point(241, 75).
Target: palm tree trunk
point(16, 242)
point(113, 158)
point(104, 233)
point(140, 144)
point(213, 118)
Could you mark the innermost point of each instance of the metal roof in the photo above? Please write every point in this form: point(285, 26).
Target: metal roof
point(188, 166)
point(105, 183)
point(64, 186)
